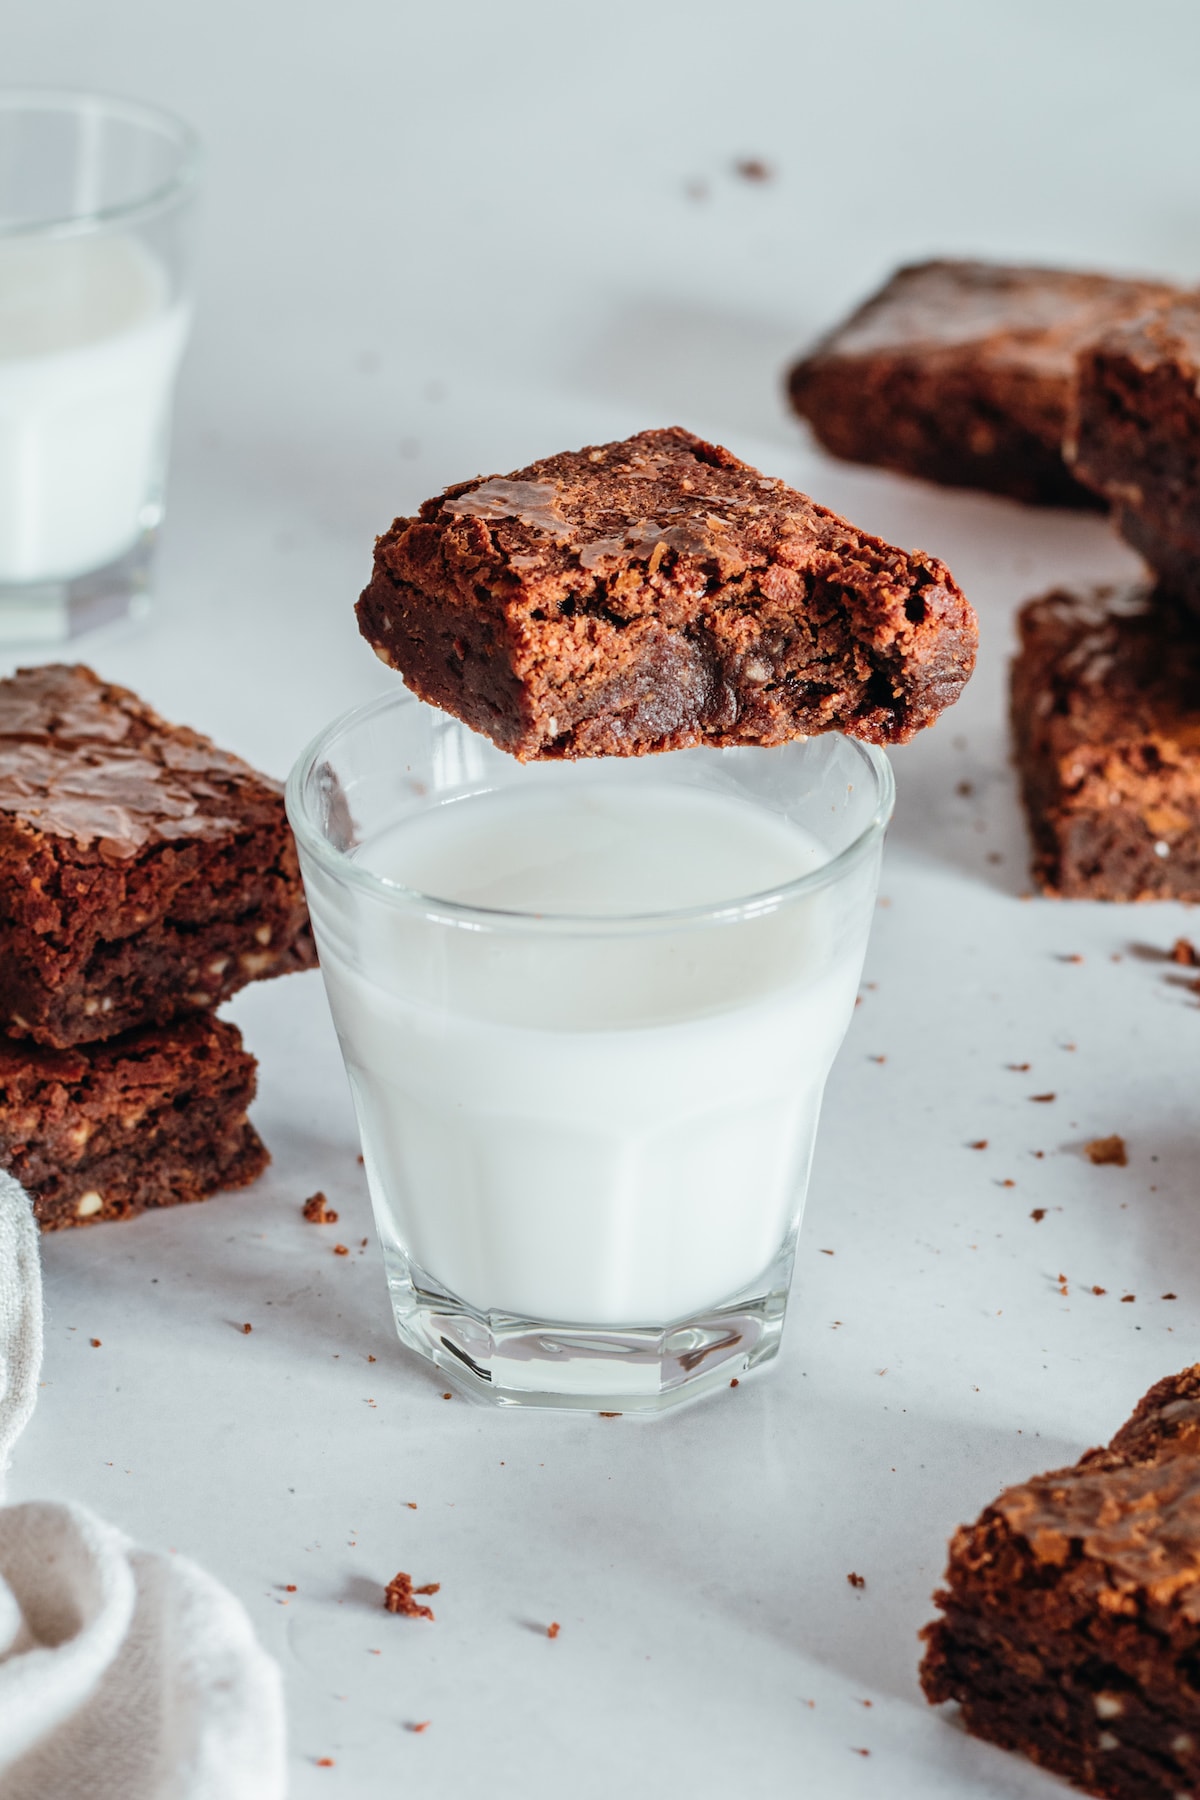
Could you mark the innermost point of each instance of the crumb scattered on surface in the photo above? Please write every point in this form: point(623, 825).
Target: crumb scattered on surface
point(371, 1359)
point(856, 1581)
point(1170, 1296)
point(95, 1343)
point(447, 1395)
point(1020, 1068)
point(1107, 1150)
point(420, 1725)
point(325, 1762)
point(553, 1629)
point(1128, 1299)
point(341, 1250)
point(289, 1587)
point(399, 1596)
point(1043, 1099)
point(859, 1752)
point(1071, 959)
point(979, 1144)
point(825, 1252)
point(734, 1382)
point(316, 1210)
point(247, 1329)
point(608, 1415)
point(1038, 1214)
point(1099, 1290)
point(1008, 1182)
point(1184, 951)
point(753, 168)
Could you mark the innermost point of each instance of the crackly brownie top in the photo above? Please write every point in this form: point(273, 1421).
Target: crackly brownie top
point(1039, 317)
point(85, 760)
point(571, 519)
point(1118, 667)
point(1125, 1519)
point(1168, 334)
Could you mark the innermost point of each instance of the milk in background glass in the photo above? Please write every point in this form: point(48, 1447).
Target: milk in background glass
point(587, 1012)
point(90, 342)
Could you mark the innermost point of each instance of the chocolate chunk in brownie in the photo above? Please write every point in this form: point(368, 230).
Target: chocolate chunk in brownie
point(143, 872)
point(1070, 1625)
point(656, 594)
point(1136, 437)
point(1106, 720)
point(154, 1118)
point(962, 372)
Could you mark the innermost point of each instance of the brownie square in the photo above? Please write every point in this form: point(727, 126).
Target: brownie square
point(154, 1118)
point(1106, 722)
point(1136, 437)
point(1070, 1625)
point(962, 372)
point(143, 872)
point(656, 594)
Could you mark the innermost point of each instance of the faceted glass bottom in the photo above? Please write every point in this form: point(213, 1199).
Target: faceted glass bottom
point(53, 612)
point(504, 1360)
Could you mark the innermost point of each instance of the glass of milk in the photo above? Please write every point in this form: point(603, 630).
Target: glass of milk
point(587, 1011)
point(96, 206)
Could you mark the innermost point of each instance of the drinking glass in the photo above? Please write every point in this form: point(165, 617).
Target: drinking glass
point(96, 211)
point(587, 1133)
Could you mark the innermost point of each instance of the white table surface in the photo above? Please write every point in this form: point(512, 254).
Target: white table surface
point(441, 240)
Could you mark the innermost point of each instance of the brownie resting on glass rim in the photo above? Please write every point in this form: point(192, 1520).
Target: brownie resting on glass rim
point(659, 594)
point(144, 873)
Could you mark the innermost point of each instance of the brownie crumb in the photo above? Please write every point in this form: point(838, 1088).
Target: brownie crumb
point(317, 1211)
point(608, 1415)
point(1170, 1296)
point(734, 1382)
point(341, 1250)
point(290, 1587)
point(1099, 1290)
point(1020, 1068)
point(1107, 1150)
point(421, 1725)
point(856, 1581)
point(753, 168)
point(95, 1343)
point(553, 1630)
point(979, 1144)
point(398, 1597)
point(247, 1329)
point(1128, 1299)
point(1043, 1099)
point(1184, 951)
point(1038, 1214)
point(447, 1395)
point(325, 1762)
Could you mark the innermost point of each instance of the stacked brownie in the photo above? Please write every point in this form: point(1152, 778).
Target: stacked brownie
point(145, 875)
point(1070, 1620)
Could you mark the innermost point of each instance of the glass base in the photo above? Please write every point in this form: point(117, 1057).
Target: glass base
point(53, 612)
point(500, 1358)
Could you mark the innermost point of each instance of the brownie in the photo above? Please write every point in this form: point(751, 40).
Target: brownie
point(1106, 723)
point(1136, 437)
point(143, 872)
point(154, 1118)
point(1070, 1625)
point(656, 594)
point(962, 372)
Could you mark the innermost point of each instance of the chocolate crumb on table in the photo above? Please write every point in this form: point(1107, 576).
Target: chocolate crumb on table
point(399, 1596)
point(656, 594)
point(856, 1581)
point(964, 373)
point(1070, 1619)
point(144, 874)
point(153, 1118)
point(317, 1210)
point(1107, 1150)
point(1106, 720)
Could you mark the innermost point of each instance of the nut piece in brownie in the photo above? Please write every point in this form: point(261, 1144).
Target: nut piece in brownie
point(1106, 721)
point(1070, 1625)
point(143, 872)
point(153, 1118)
point(962, 372)
point(656, 594)
point(1136, 437)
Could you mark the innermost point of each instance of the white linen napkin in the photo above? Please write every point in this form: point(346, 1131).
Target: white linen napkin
point(125, 1674)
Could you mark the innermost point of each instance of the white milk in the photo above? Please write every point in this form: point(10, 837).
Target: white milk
point(89, 347)
point(611, 1128)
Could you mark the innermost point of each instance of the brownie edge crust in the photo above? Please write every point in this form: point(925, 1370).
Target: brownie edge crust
point(1070, 1619)
point(658, 594)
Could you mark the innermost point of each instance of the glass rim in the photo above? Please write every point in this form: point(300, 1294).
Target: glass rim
point(154, 119)
point(344, 868)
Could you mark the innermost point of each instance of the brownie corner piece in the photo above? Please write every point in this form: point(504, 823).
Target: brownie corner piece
point(155, 1118)
point(657, 594)
point(1105, 704)
point(144, 873)
point(962, 372)
point(1135, 436)
point(1069, 1624)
